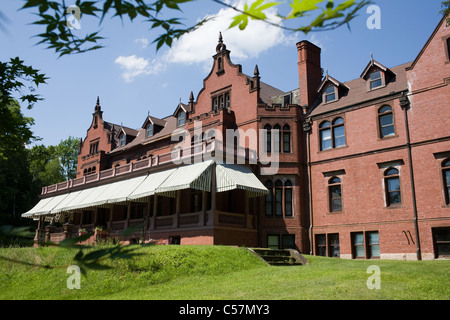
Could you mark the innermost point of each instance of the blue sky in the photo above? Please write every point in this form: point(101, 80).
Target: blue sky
point(132, 79)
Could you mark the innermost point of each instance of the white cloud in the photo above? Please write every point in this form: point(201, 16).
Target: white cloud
point(144, 42)
point(198, 46)
point(134, 66)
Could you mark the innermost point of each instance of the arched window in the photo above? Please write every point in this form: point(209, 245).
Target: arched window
point(386, 121)
point(277, 145)
point(332, 135)
point(268, 142)
point(446, 176)
point(85, 172)
point(286, 138)
point(325, 135)
point(392, 186)
point(288, 198)
point(269, 198)
point(93, 169)
point(278, 198)
point(335, 194)
point(338, 133)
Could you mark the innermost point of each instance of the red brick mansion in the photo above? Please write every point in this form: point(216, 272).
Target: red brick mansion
point(357, 169)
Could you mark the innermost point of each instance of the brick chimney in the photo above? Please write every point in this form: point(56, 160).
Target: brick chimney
point(309, 72)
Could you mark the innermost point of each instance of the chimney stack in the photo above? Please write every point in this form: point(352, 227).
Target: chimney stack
point(309, 72)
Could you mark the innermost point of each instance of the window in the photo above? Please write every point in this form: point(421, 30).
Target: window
point(392, 185)
point(221, 101)
point(386, 121)
point(286, 139)
point(332, 135)
point(93, 148)
point(365, 245)
point(149, 129)
point(325, 135)
point(269, 198)
point(273, 241)
point(338, 133)
point(375, 80)
point(268, 133)
point(373, 250)
point(448, 48)
point(279, 200)
point(287, 241)
point(278, 145)
point(330, 94)
point(288, 198)
point(335, 194)
point(287, 100)
point(181, 118)
point(327, 245)
point(123, 139)
point(358, 245)
point(441, 239)
point(446, 177)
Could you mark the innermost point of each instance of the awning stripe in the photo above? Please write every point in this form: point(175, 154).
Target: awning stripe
point(234, 176)
point(194, 176)
point(150, 184)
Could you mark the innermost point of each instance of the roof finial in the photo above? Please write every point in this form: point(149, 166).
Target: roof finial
point(220, 46)
point(256, 72)
point(97, 106)
point(371, 56)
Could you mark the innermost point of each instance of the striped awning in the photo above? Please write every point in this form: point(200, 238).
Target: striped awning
point(150, 184)
point(44, 206)
point(235, 176)
point(194, 176)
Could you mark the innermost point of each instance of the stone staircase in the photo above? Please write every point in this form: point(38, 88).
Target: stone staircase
point(279, 257)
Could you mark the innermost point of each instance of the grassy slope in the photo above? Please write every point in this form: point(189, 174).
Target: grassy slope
point(215, 272)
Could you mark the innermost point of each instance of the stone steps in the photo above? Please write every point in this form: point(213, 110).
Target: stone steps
point(279, 257)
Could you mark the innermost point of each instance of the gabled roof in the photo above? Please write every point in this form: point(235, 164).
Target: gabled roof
point(331, 79)
point(358, 93)
point(155, 121)
point(371, 64)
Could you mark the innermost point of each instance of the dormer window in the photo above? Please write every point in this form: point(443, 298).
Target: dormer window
point(330, 94)
point(123, 139)
point(149, 129)
point(181, 118)
point(376, 80)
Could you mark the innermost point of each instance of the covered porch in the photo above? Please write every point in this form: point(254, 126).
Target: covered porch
point(201, 203)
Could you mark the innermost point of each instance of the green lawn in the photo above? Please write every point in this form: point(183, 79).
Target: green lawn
point(216, 272)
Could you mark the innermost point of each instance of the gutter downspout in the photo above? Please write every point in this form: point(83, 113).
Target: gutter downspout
point(307, 129)
point(404, 104)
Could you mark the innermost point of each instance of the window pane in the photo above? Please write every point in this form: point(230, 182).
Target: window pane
point(288, 204)
point(387, 131)
point(358, 238)
point(339, 136)
point(391, 172)
point(324, 124)
point(333, 240)
point(321, 248)
point(278, 202)
point(386, 120)
point(338, 121)
point(393, 184)
point(375, 251)
point(373, 238)
point(359, 252)
point(375, 75)
point(272, 241)
point(286, 142)
point(375, 84)
point(268, 142)
point(269, 203)
point(330, 97)
point(329, 89)
point(325, 138)
point(385, 109)
point(447, 177)
point(288, 241)
point(394, 197)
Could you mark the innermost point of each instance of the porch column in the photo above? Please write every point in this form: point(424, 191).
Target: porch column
point(204, 203)
point(211, 218)
point(155, 210)
point(246, 209)
point(177, 209)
